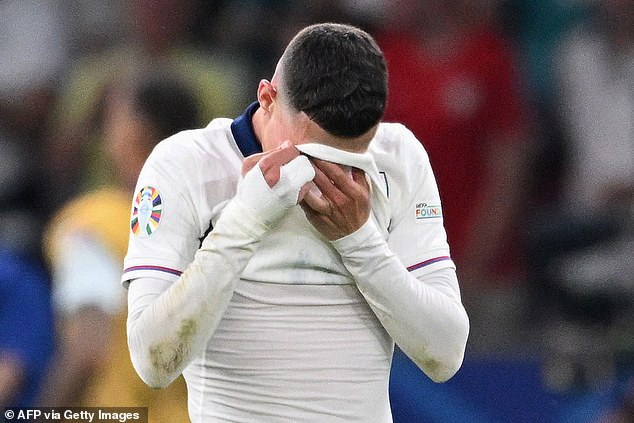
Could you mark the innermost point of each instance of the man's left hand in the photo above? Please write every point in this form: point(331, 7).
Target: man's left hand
point(344, 204)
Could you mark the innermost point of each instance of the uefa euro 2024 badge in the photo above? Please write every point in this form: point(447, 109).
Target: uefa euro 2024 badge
point(146, 212)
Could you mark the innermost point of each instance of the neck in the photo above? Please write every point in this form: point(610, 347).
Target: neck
point(259, 124)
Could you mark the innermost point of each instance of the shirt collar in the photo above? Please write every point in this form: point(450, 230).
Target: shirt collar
point(243, 133)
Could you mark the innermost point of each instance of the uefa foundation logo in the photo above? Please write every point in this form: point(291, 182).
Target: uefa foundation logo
point(146, 213)
point(427, 211)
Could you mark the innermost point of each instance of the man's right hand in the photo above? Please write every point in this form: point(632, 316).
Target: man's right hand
point(276, 184)
point(271, 161)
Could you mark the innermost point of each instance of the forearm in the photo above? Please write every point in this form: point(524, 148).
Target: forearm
point(425, 318)
point(167, 330)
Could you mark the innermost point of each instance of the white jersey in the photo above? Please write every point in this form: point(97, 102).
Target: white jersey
point(298, 341)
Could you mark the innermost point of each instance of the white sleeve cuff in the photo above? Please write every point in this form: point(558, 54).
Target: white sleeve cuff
point(351, 242)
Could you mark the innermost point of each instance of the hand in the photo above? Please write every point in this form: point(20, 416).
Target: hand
point(271, 161)
point(275, 185)
point(344, 204)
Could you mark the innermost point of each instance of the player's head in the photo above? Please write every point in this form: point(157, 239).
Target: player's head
point(330, 86)
point(336, 74)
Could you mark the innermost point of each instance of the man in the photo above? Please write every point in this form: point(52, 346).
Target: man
point(276, 312)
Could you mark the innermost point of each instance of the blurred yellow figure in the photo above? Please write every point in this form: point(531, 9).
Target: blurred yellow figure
point(85, 244)
point(157, 36)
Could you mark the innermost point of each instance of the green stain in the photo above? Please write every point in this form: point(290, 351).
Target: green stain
point(187, 330)
point(168, 356)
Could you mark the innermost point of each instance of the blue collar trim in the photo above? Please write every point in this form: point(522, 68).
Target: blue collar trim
point(243, 133)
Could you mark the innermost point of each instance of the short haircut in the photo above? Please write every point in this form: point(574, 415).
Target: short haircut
point(337, 75)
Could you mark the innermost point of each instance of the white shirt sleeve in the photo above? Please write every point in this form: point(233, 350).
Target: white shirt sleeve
point(409, 279)
point(424, 316)
point(165, 226)
point(170, 323)
point(417, 233)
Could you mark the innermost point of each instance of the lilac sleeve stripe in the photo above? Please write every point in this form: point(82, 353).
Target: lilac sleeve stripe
point(157, 268)
point(427, 263)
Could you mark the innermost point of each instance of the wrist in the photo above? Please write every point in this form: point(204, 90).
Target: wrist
point(362, 237)
point(237, 225)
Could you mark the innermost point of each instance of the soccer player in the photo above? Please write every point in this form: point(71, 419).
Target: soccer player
point(275, 259)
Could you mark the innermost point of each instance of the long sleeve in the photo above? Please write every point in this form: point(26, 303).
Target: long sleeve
point(168, 329)
point(425, 317)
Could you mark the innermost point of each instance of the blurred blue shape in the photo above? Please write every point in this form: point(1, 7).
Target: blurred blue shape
point(26, 320)
point(494, 389)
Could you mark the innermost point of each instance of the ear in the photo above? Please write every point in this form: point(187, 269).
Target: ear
point(266, 95)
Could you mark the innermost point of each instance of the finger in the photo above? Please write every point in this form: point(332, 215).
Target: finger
point(324, 183)
point(341, 177)
point(316, 202)
point(250, 161)
point(303, 191)
point(270, 164)
point(359, 177)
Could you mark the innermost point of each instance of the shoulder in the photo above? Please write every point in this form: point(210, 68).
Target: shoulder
point(186, 149)
point(402, 161)
point(192, 171)
point(216, 136)
point(395, 143)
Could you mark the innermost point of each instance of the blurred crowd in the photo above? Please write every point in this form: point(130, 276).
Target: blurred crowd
point(526, 108)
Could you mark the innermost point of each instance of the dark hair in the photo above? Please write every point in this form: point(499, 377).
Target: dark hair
point(337, 75)
point(167, 103)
